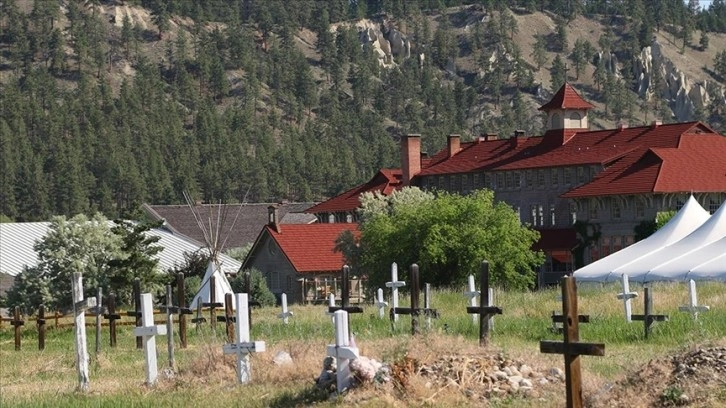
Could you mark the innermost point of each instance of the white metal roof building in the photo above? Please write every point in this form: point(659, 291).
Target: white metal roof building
point(17, 241)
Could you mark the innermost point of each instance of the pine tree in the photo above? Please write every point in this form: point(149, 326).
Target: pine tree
point(539, 52)
point(557, 73)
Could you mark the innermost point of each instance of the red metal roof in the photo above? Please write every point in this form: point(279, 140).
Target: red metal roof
point(385, 181)
point(311, 247)
point(566, 98)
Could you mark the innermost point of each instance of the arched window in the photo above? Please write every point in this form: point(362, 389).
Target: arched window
point(575, 120)
point(555, 123)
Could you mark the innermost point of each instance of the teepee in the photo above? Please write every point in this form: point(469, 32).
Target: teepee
point(212, 232)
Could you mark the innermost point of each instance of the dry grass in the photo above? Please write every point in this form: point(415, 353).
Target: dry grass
point(206, 376)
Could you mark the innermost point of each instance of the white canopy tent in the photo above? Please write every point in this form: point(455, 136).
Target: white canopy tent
point(682, 251)
point(688, 219)
point(221, 287)
point(705, 263)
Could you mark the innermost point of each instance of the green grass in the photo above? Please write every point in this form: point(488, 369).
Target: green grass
point(48, 378)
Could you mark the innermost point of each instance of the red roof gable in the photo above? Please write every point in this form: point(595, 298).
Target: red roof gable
point(566, 98)
point(385, 181)
point(311, 247)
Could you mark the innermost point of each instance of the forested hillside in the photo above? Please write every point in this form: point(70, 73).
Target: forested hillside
point(105, 104)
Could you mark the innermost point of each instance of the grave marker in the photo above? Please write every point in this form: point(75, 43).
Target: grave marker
point(427, 304)
point(40, 321)
point(228, 317)
point(626, 296)
point(17, 322)
point(394, 284)
point(648, 317)
point(170, 328)
point(331, 305)
point(381, 304)
point(183, 310)
point(112, 316)
point(571, 346)
point(342, 350)
point(692, 307)
point(244, 346)
point(345, 295)
point(484, 312)
point(148, 332)
point(213, 304)
point(79, 312)
point(471, 293)
point(98, 310)
point(137, 309)
point(414, 310)
point(285, 312)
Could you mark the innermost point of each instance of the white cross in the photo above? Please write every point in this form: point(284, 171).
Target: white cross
point(79, 328)
point(149, 331)
point(692, 306)
point(342, 350)
point(472, 294)
point(244, 346)
point(285, 313)
point(394, 284)
point(381, 304)
point(331, 303)
point(626, 296)
point(427, 304)
point(491, 303)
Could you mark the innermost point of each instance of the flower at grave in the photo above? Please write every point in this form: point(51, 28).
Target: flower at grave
point(364, 368)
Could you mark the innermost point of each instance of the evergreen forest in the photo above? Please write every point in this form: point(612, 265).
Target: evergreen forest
point(262, 101)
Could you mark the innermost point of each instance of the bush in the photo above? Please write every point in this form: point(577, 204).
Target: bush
point(259, 292)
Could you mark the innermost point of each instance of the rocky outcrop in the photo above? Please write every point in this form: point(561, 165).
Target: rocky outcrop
point(684, 96)
point(386, 41)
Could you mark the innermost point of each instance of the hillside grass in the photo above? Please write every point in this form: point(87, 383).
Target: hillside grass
point(206, 377)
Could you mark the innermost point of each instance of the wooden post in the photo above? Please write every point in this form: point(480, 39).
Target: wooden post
point(228, 317)
point(170, 328)
point(213, 304)
point(571, 346)
point(79, 307)
point(112, 316)
point(99, 314)
point(40, 321)
point(199, 319)
point(394, 284)
point(415, 311)
point(17, 322)
point(137, 310)
point(484, 312)
point(57, 315)
point(244, 345)
point(648, 317)
point(345, 295)
point(148, 332)
point(183, 310)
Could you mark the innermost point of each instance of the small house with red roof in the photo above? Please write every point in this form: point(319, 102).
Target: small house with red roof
point(614, 179)
point(299, 259)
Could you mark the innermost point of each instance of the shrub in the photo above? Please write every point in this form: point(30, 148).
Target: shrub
point(259, 292)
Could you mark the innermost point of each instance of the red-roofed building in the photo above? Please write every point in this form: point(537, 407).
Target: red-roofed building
point(299, 259)
point(616, 178)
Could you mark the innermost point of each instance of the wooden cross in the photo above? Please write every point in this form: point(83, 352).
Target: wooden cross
point(212, 304)
point(112, 316)
point(228, 318)
point(170, 328)
point(342, 350)
point(199, 319)
point(692, 307)
point(571, 346)
point(98, 310)
point(648, 317)
point(17, 322)
point(285, 312)
point(79, 308)
point(414, 310)
point(137, 309)
point(40, 321)
point(381, 304)
point(183, 310)
point(484, 312)
point(148, 332)
point(244, 346)
point(170, 310)
point(345, 295)
point(626, 296)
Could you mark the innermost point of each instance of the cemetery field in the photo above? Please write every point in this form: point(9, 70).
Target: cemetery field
point(440, 367)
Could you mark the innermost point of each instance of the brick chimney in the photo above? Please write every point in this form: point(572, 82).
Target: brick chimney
point(454, 144)
point(272, 218)
point(410, 157)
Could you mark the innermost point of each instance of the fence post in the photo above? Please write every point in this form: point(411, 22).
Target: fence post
point(40, 321)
